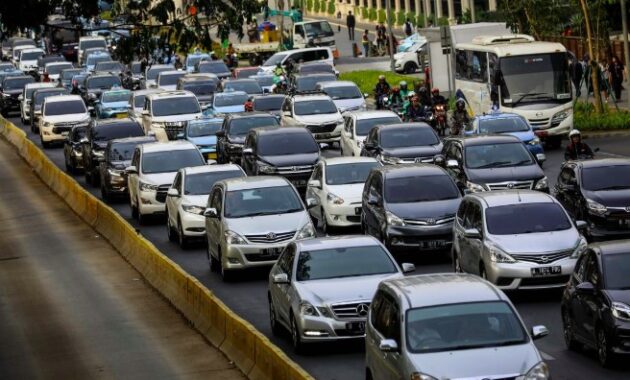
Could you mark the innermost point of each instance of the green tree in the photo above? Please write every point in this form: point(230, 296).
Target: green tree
point(331, 7)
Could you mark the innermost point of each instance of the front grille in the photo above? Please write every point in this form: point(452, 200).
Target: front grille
point(350, 310)
point(294, 169)
point(259, 257)
point(344, 332)
point(271, 237)
point(324, 128)
point(538, 122)
point(59, 130)
point(511, 185)
point(429, 221)
point(541, 281)
point(354, 218)
point(160, 196)
point(543, 258)
point(173, 128)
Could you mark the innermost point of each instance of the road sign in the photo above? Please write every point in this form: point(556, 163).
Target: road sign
point(445, 36)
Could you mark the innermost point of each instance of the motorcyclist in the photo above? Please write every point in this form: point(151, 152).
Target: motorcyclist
point(460, 117)
point(576, 148)
point(381, 90)
point(46, 78)
point(278, 70)
point(416, 110)
point(249, 105)
point(178, 62)
point(407, 103)
point(396, 99)
point(436, 98)
point(404, 90)
point(425, 98)
point(279, 85)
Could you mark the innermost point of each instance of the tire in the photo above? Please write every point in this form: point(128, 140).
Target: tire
point(142, 219)
point(410, 68)
point(88, 176)
point(457, 266)
point(170, 231)
point(296, 339)
point(605, 355)
point(212, 262)
point(226, 274)
point(482, 271)
point(181, 238)
point(134, 210)
point(273, 322)
point(567, 330)
point(105, 193)
point(45, 145)
point(324, 223)
point(94, 179)
point(69, 167)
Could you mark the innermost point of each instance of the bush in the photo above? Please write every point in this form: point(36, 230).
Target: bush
point(331, 7)
point(316, 6)
point(382, 15)
point(364, 13)
point(442, 21)
point(400, 17)
point(585, 118)
point(420, 20)
point(309, 5)
point(297, 4)
point(366, 79)
point(372, 14)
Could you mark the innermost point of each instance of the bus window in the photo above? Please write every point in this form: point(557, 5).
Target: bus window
point(299, 30)
point(461, 65)
point(471, 65)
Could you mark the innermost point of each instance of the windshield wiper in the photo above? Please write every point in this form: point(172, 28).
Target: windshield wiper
point(523, 162)
point(494, 164)
point(532, 94)
point(289, 211)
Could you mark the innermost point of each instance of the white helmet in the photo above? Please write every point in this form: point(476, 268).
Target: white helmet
point(574, 132)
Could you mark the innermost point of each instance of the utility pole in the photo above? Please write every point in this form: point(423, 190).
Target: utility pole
point(392, 64)
point(624, 28)
point(473, 17)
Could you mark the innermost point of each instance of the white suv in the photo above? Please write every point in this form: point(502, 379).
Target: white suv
point(25, 99)
point(356, 128)
point(167, 80)
point(167, 113)
point(153, 168)
point(317, 113)
point(59, 114)
point(28, 59)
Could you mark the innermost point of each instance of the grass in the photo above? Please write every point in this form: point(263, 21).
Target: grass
point(366, 79)
point(585, 118)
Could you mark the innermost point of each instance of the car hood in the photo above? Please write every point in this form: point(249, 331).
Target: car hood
point(513, 173)
point(159, 178)
point(413, 151)
point(176, 118)
point(195, 200)
point(260, 225)
point(71, 117)
point(203, 140)
point(609, 198)
point(539, 242)
point(230, 109)
point(350, 193)
point(425, 210)
point(348, 104)
point(523, 136)
point(618, 295)
point(325, 118)
point(12, 91)
point(506, 362)
point(291, 159)
point(170, 87)
point(347, 289)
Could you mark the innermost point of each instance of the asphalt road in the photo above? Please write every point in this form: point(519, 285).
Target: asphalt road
point(247, 297)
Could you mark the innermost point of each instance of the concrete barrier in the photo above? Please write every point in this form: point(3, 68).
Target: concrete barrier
point(249, 349)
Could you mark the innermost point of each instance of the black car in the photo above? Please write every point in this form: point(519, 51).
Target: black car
point(250, 86)
point(314, 68)
point(236, 126)
point(308, 82)
point(72, 149)
point(117, 157)
point(98, 133)
point(487, 163)
point(94, 85)
point(596, 302)
point(43, 60)
point(218, 68)
point(288, 152)
point(203, 87)
point(37, 99)
point(10, 91)
point(403, 143)
point(65, 77)
point(598, 192)
point(112, 67)
point(271, 103)
point(410, 207)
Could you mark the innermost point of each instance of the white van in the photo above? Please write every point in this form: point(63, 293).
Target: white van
point(323, 54)
point(318, 32)
point(406, 61)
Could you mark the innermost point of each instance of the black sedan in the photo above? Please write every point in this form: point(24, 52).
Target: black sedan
point(403, 143)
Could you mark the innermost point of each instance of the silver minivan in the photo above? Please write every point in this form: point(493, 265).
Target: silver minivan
point(250, 220)
point(519, 239)
point(449, 326)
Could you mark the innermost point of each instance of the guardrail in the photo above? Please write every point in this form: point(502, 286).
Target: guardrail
point(249, 349)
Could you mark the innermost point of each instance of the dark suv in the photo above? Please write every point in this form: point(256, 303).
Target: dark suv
point(203, 87)
point(72, 149)
point(232, 135)
point(288, 152)
point(98, 133)
point(404, 143)
point(95, 84)
point(37, 99)
point(487, 163)
point(12, 88)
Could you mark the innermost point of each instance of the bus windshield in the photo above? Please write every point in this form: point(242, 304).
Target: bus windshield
point(534, 79)
point(318, 29)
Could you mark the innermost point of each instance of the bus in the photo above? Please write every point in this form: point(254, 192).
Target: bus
point(314, 33)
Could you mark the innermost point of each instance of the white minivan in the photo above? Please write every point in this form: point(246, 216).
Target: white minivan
point(323, 54)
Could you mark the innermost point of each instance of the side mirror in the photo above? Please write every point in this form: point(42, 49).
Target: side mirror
point(595, 150)
point(220, 133)
point(368, 146)
point(280, 278)
point(388, 345)
point(145, 112)
point(210, 161)
point(408, 268)
point(315, 183)
point(472, 233)
point(581, 225)
point(131, 170)
point(310, 202)
point(211, 212)
point(585, 288)
point(248, 151)
point(452, 164)
point(265, 90)
point(173, 192)
point(539, 332)
point(84, 140)
point(366, 95)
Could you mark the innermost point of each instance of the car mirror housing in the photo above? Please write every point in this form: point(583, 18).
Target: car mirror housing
point(581, 225)
point(452, 164)
point(310, 202)
point(472, 233)
point(280, 278)
point(211, 212)
point(315, 183)
point(220, 133)
point(539, 332)
point(388, 345)
point(173, 192)
point(373, 200)
point(131, 170)
point(248, 151)
point(585, 287)
point(408, 267)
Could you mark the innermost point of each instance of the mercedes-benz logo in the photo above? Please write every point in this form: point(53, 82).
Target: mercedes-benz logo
point(544, 259)
point(271, 236)
point(362, 309)
point(510, 185)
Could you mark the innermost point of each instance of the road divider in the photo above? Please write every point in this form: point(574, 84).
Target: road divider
point(248, 348)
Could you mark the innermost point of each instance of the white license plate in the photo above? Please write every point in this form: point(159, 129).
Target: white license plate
point(357, 211)
point(546, 271)
point(299, 182)
point(432, 244)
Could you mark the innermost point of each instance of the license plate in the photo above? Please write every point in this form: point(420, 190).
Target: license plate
point(270, 252)
point(64, 134)
point(432, 244)
point(121, 115)
point(624, 222)
point(546, 271)
point(357, 210)
point(211, 156)
point(299, 182)
point(356, 327)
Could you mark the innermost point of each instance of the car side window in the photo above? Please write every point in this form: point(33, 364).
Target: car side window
point(376, 188)
point(216, 200)
point(286, 261)
point(457, 154)
point(472, 218)
point(320, 173)
point(135, 161)
point(177, 181)
point(317, 173)
point(348, 124)
point(580, 267)
point(567, 176)
point(592, 274)
point(461, 212)
point(376, 309)
point(388, 319)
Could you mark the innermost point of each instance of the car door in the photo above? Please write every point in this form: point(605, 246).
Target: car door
point(146, 115)
point(388, 326)
point(371, 141)
point(213, 225)
point(287, 113)
point(590, 302)
point(316, 193)
point(346, 137)
point(286, 292)
point(372, 205)
point(459, 241)
point(573, 298)
point(567, 190)
point(247, 160)
point(132, 178)
point(172, 202)
point(454, 152)
point(471, 247)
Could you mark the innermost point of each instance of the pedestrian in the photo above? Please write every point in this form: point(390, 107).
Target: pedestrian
point(604, 79)
point(617, 76)
point(381, 31)
point(339, 21)
point(576, 71)
point(365, 40)
point(586, 65)
point(408, 28)
point(350, 23)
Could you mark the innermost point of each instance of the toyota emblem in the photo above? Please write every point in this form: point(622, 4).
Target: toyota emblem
point(510, 185)
point(430, 221)
point(271, 236)
point(362, 309)
point(539, 114)
point(544, 259)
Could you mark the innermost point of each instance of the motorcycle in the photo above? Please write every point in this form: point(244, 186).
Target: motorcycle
point(381, 101)
point(439, 110)
point(427, 118)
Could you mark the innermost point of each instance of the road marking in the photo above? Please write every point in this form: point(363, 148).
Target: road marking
point(546, 356)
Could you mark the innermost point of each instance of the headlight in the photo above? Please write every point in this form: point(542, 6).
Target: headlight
point(474, 188)
point(497, 255)
point(148, 186)
point(621, 311)
point(323, 310)
point(393, 220)
point(234, 238)
point(421, 376)
point(542, 184)
point(534, 141)
point(308, 309)
point(98, 153)
point(390, 160)
point(596, 208)
point(332, 198)
point(581, 247)
point(157, 125)
point(115, 172)
point(266, 169)
point(560, 116)
point(48, 125)
point(538, 372)
point(193, 209)
point(308, 231)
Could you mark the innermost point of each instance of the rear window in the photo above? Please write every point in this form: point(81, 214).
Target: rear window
point(31, 55)
point(503, 125)
point(64, 108)
point(175, 106)
point(111, 97)
point(308, 83)
point(413, 189)
point(240, 127)
point(343, 92)
point(56, 69)
point(282, 145)
point(408, 137)
point(153, 73)
point(122, 151)
point(104, 83)
point(41, 95)
point(170, 79)
point(94, 59)
point(171, 161)
point(200, 88)
point(248, 86)
point(201, 184)
point(268, 104)
point(214, 67)
point(116, 131)
point(68, 74)
point(364, 126)
point(109, 66)
point(87, 44)
point(526, 218)
point(314, 107)
point(225, 100)
point(15, 83)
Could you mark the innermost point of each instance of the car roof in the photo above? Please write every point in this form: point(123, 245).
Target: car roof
point(160, 66)
point(115, 122)
point(337, 83)
point(248, 115)
point(172, 72)
point(136, 139)
point(247, 80)
point(229, 93)
point(499, 115)
point(247, 183)
point(117, 90)
point(59, 63)
point(406, 170)
point(62, 98)
point(102, 75)
point(32, 50)
point(40, 85)
point(199, 78)
point(346, 160)
point(50, 89)
point(485, 139)
point(279, 131)
point(332, 242)
point(599, 162)
point(402, 126)
point(308, 75)
point(612, 247)
point(263, 96)
point(510, 197)
point(170, 94)
point(365, 115)
point(167, 146)
point(310, 97)
point(211, 168)
point(443, 288)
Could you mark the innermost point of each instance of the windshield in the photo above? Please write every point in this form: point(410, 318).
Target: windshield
point(325, 264)
point(192, 60)
point(15, 83)
point(104, 83)
point(6, 66)
point(225, 100)
point(138, 101)
point(23, 43)
point(136, 68)
point(616, 271)
point(240, 126)
point(122, 151)
point(249, 86)
point(272, 103)
point(463, 326)
point(318, 29)
point(364, 126)
point(309, 82)
point(526, 218)
point(170, 161)
point(153, 73)
point(281, 145)
point(428, 188)
point(246, 73)
point(274, 59)
point(94, 59)
point(497, 155)
point(108, 66)
point(201, 184)
point(87, 44)
point(200, 88)
point(30, 91)
point(346, 174)
point(407, 137)
point(606, 178)
point(345, 92)
point(111, 97)
point(31, 55)
point(169, 79)
point(263, 80)
point(116, 131)
point(535, 78)
point(214, 67)
point(180, 105)
point(56, 69)
point(503, 125)
point(65, 107)
point(207, 128)
point(314, 107)
point(67, 74)
point(41, 95)
point(263, 201)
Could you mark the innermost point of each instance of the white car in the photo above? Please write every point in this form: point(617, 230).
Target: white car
point(28, 59)
point(25, 99)
point(151, 73)
point(54, 69)
point(335, 188)
point(407, 61)
point(137, 102)
point(317, 113)
point(15, 54)
point(356, 128)
point(60, 114)
point(88, 43)
point(151, 174)
point(345, 94)
point(167, 80)
point(167, 113)
point(187, 198)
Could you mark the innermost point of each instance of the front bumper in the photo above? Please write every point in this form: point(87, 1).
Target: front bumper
point(551, 130)
point(519, 276)
point(251, 255)
point(148, 203)
point(609, 226)
point(53, 134)
point(420, 238)
point(324, 329)
point(619, 336)
point(299, 180)
point(193, 225)
point(344, 215)
point(116, 184)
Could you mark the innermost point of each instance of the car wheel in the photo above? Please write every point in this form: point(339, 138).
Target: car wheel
point(410, 68)
point(142, 218)
point(482, 271)
point(134, 209)
point(45, 144)
point(368, 374)
point(169, 228)
point(567, 330)
point(182, 239)
point(105, 193)
point(457, 265)
point(296, 339)
point(324, 223)
point(212, 261)
point(94, 179)
point(275, 327)
point(226, 274)
point(69, 168)
point(604, 352)
point(88, 176)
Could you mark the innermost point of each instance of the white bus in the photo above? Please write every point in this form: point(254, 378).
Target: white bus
point(519, 75)
point(317, 32)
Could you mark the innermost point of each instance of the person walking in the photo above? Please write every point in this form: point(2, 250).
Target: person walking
point(365, 40)
point(381, 32)
point(604, 79)
point(576, 71)
point(617, 76)
point(339, 21)
point(408, 28)
point(350, 23)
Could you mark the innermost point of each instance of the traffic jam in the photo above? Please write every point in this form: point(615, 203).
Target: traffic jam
point(339, 194)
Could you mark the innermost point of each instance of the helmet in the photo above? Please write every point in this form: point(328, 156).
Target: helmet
point(574, 132)
point(435, 91)
point(395, 90)
point(381, 77)
point(460, 104)
point(411, 94)
point(423, 90)
point(402, 84)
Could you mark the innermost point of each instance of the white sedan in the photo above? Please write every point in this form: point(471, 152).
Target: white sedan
point(334, 190)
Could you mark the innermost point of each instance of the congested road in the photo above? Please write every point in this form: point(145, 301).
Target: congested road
point(247, 296)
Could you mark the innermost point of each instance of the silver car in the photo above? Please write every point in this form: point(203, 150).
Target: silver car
point(516, 239)
point(249, 221)
point(320, 289)
point(449, 326)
